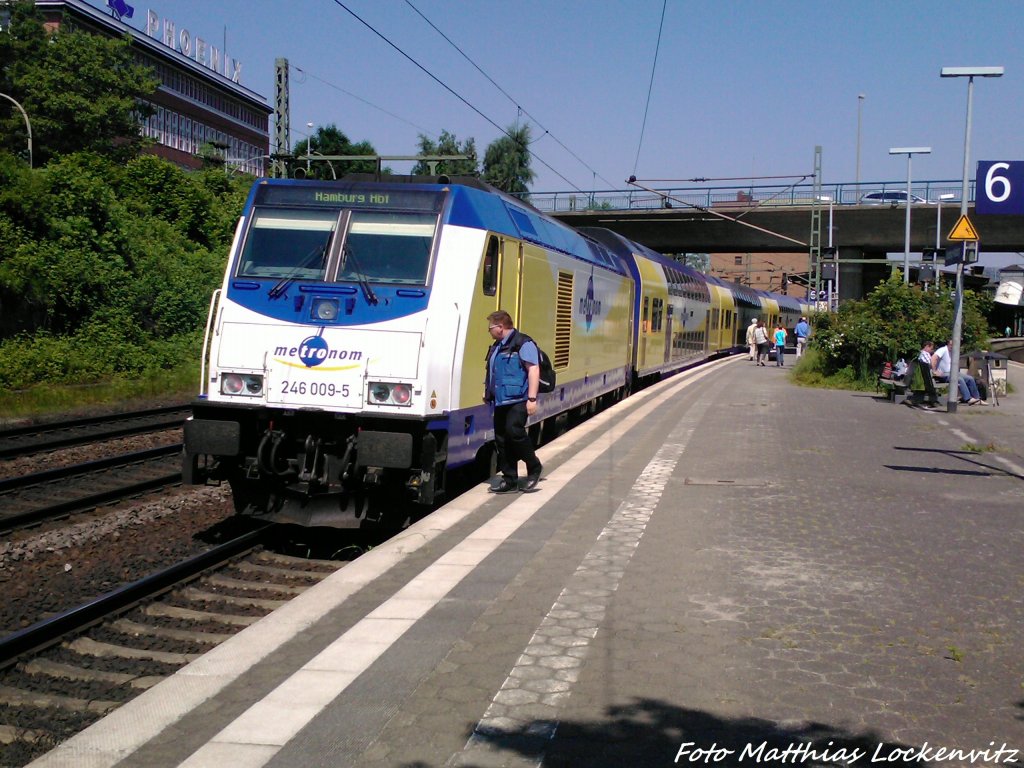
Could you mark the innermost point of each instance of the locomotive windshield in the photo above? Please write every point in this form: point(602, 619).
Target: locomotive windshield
point(288, 243)
point(378, 246)
point(388, 247)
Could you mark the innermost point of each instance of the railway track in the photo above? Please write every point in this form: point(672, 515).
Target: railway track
point(60, 675)
point(46, 437)
point(30, 499)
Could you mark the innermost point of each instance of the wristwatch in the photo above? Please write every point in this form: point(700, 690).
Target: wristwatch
point(532, 399)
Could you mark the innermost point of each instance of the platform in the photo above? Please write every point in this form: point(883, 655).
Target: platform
point(724, 562)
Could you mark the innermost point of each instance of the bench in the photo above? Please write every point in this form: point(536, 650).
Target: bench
point(899, 389)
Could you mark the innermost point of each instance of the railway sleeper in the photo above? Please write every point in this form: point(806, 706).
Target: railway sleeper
point(228, 583)
point(200, 595)
point(16, 697)
point(9, 734)
point(188, 614)
point(89, 647)
point(129, 627)
point(288, 573)
point(59, 671)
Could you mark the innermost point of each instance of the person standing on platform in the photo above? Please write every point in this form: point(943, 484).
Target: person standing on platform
point(802, 333)
point(751, 341)
point(780, 343)
point(511, 383)
point(761, 342)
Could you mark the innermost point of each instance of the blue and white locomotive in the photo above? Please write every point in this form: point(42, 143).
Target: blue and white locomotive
point(343, 360)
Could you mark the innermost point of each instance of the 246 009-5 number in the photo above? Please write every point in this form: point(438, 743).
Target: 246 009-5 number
point(314, 388)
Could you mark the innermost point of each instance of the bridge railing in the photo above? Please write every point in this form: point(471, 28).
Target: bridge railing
point(748, 196)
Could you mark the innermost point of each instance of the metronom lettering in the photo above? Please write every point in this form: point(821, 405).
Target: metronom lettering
point(323, 354)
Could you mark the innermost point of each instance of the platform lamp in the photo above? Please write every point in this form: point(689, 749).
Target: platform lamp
point(954, 368)
point(909, 152)
point(28, 124)
point(938, 230)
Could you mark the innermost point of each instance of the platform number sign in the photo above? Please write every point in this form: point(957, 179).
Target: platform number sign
point(1000, 187)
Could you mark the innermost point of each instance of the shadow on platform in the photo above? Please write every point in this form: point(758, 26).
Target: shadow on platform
point(970, 457)
point(652, 732)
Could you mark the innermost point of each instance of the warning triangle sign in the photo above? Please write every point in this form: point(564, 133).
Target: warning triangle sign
point(963, 230)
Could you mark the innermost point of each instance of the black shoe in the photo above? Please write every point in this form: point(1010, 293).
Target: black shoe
point(505, 486)
point(531, 482)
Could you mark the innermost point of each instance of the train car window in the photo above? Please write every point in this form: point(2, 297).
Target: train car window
point(657, 313)
point(288, 243)
point(490, 276)
point(388, 247)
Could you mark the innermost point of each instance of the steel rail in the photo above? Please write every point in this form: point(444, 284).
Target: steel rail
point(90, 500)
point(64, 440)
point(48, 631)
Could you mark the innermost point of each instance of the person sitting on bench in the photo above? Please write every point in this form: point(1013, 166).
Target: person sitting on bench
point(968, 387)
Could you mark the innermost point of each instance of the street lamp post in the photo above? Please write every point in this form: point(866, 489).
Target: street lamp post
point(938, 232)
point(860, 104)
point(909, 152)
point(954, 360)
point(329, 163)
point(309, 146)
point(28, 125)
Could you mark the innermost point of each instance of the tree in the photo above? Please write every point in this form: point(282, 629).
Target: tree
point(507, 161)
point(82, 92)
point(447, 144)
point(330, 140)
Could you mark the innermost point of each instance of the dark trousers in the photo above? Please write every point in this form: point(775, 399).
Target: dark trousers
point(513, 442)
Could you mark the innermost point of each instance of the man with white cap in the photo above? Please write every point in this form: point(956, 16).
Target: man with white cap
point(751, 341)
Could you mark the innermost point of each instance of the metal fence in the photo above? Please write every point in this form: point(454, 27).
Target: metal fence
point(739, 197)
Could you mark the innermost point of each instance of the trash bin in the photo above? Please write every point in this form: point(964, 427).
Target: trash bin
point(989, 370)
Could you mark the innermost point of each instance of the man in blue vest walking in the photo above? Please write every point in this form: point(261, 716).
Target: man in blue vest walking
point(511, 385)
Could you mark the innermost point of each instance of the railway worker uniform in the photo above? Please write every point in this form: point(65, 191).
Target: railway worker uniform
point(512, 381)
point(802, 332)
point(751, 341)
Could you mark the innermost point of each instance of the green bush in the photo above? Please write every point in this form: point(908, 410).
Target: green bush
point(107, 269)
point(847, 349)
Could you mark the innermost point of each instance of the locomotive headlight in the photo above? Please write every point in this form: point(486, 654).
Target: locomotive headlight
point(231, 384)
point(401, 394)
point(249, 384)
point(325, 309)
point(385, 393)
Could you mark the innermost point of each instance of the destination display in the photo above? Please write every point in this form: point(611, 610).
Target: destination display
point(348, 196)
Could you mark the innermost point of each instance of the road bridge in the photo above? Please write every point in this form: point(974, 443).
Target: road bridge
point(680, 220)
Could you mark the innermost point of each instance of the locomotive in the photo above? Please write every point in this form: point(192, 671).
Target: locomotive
point(343, 358)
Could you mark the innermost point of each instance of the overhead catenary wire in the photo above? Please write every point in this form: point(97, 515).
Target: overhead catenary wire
point(448, 88)
point(650, 87)
point(632, 180)
point(508, 96)
point(307, 73)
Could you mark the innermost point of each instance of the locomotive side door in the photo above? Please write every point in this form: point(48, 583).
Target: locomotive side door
point(510, 281)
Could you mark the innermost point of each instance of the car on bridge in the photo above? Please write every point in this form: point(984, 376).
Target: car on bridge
point(889, 198)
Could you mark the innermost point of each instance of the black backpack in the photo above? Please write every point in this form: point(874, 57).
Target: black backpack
point(547, 370)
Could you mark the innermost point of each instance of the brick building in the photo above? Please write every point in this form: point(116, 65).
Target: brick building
point(200, 100)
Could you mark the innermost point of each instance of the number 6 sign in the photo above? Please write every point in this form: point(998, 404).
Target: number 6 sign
point(1000, 187)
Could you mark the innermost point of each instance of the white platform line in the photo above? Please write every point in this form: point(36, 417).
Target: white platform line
point(528, 702)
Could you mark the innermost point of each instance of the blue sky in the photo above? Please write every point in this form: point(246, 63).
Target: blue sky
point(740, 89)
